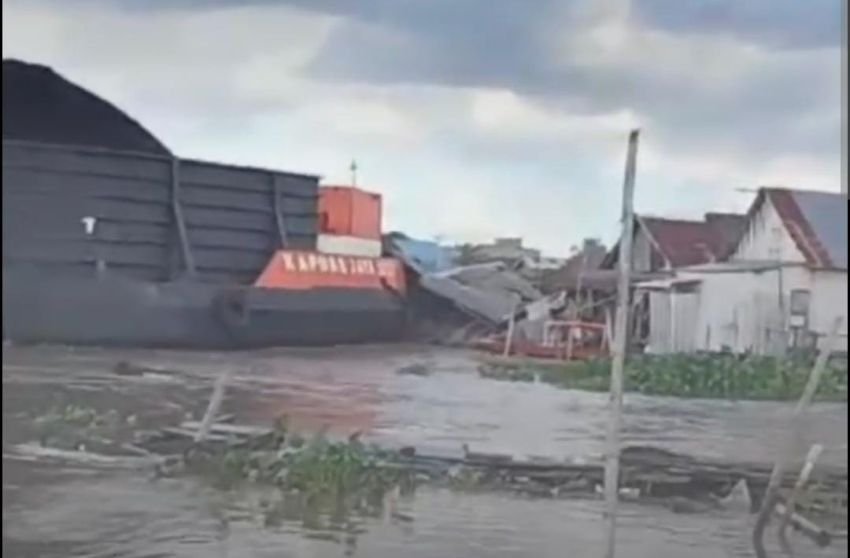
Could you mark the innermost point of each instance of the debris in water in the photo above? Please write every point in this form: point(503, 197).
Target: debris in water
point(414, 370)
point(485, 457)
point(322, 471)
point(738, 498)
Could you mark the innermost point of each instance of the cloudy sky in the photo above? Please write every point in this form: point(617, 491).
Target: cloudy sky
point(474, 118)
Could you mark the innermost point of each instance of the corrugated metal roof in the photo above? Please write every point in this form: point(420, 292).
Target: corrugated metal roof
point(826, 214)
point(816, 221)
point(429, 256)
point(685, 243)
point(494, 307)
point(682, 242)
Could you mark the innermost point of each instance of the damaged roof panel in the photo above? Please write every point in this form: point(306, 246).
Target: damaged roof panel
point(492, 307)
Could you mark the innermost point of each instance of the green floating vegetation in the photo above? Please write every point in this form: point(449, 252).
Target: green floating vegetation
point(73, 425)
point(319, 472)
point(709, 375)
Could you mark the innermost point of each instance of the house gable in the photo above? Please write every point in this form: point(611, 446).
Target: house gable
point(766, 237)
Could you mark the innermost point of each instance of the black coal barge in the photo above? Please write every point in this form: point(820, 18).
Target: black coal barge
point(109, 239)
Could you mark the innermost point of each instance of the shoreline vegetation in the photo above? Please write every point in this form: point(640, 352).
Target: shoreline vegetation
point(697, 376)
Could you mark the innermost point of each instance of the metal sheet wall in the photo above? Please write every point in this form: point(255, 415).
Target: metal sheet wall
point(234, 217)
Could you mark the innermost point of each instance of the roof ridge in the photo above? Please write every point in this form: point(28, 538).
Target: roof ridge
point(671, 219)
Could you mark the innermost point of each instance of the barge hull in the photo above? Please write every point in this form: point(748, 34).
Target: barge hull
point(112, 310)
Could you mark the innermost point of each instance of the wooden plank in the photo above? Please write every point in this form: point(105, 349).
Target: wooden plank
point(242, 430)
point(214, 405)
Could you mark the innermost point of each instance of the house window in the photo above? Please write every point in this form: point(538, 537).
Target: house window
point(800, 301)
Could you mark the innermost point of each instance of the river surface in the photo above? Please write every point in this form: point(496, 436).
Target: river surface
point(54, 509)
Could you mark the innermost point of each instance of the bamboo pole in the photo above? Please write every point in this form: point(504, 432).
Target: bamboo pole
point(213, 407)
point(509, 338)
point(805, 473)
point(771, 494)
point(621, 321)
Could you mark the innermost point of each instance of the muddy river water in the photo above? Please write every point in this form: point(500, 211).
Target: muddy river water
point(55, 509)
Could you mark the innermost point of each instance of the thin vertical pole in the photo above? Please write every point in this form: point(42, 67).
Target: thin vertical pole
point(511, 325)
point(621, 321)
point(844, 99)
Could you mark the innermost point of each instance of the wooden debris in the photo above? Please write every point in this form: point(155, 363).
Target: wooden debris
point(213, 407)
point(771, 496)
point(805, 473)
point(416, 369)
point(819, 535)
point(192, 434)
point(238, 430)
point(489, 458)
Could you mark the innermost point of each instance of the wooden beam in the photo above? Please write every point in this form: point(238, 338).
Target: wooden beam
point(771, 495)
point(612, 460)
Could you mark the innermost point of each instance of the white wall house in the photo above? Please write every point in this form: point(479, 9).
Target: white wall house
point(785, 281)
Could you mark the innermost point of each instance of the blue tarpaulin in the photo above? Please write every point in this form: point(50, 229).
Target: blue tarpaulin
point(428, 256)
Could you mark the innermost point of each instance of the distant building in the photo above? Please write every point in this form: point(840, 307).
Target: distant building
point(783, 283)
point(508, 250)
point(574, 272)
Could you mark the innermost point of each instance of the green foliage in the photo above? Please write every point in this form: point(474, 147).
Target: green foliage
point(316, 470)
point(72, 425)
point(723, 376)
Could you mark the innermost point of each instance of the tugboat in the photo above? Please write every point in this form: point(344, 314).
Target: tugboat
point(342, 292)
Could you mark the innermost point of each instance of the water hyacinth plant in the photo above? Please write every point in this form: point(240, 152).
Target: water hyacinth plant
point(706, 375)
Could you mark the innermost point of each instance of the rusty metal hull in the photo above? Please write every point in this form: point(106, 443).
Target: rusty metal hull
point(111, 310)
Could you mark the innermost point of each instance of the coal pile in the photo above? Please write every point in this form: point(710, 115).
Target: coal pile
point(39, 105)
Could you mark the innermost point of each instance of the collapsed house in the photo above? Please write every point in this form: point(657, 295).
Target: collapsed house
point(487, 305)
point(454, 305)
